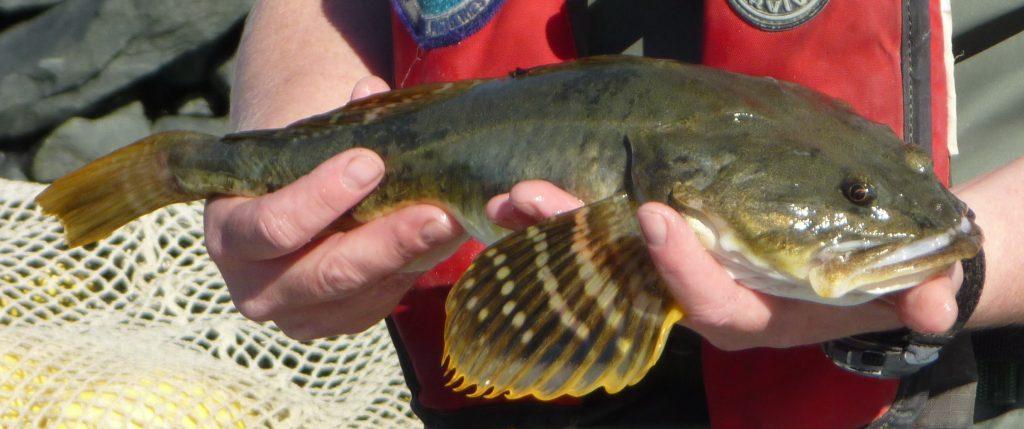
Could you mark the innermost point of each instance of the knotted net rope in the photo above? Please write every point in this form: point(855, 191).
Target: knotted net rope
point(138, 331)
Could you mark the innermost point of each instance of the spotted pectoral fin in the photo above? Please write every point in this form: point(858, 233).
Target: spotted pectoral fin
point(564, 307)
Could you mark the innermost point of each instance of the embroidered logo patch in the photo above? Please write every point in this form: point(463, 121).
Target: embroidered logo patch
point(777, 15)
point(437, 23)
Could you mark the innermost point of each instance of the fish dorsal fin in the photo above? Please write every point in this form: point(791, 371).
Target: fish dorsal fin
point(398, 101)
point(564, 307)
point(389, 103)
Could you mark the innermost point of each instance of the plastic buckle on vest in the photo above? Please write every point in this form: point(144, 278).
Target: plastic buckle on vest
point(879, 360)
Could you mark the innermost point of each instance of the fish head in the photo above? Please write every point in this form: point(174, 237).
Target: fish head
point(803, 198)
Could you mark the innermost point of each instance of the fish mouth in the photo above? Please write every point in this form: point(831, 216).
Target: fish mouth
point(870, 269)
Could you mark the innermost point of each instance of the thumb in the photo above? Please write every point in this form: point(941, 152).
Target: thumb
point(703, 289)
point(931, 306)
point(368, 86)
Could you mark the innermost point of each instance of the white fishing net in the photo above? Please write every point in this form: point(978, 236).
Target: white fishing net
point(139, 332)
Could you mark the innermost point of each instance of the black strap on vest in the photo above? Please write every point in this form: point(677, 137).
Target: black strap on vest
point(900, 353)
point(1000, 371)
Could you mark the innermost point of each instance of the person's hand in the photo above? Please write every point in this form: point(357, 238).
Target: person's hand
point(729, 315)
point(279, 266)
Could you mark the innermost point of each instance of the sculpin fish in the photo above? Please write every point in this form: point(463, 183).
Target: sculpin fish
point(791, 191)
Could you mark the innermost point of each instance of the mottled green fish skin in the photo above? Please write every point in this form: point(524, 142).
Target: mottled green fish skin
point(764, 157)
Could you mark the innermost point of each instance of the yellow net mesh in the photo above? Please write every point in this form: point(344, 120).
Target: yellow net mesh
point(139, 331)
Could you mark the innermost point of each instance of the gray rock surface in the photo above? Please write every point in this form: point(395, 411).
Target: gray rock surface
point(8, 6)
point(79, 140)
point(226, 71)
point(80, 54)
point(196, 107)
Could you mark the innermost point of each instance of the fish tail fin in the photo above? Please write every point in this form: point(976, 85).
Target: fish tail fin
point(104, 195)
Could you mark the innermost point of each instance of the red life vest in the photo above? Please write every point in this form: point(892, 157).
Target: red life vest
point(849, 50)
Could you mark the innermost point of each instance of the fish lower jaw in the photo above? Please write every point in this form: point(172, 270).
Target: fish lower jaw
point(882, 269)
point(860, 290)
point(904, 267)
point(853, 293)
point(819, 286)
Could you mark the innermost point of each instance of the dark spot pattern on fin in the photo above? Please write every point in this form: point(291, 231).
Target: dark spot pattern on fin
point(564, 307)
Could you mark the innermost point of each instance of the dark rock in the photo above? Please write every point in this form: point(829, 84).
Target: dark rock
point(16, 6)
point(81, 54)
point(13, 165)
point(79, 140)
point(215, 126)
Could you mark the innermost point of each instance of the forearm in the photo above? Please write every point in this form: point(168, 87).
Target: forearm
point(298, 58)
point(998, 202)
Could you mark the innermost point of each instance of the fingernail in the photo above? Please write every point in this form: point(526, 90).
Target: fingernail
point(435, 232)
point(361, 172)
point(654, 225)
point(361, 90)
point(951, 312)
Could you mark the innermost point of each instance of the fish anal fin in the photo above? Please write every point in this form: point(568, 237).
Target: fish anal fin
point(547, 311)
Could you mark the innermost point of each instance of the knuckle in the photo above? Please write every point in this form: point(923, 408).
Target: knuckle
point(353, 328)
point(276, 229)
point(670, 269)
point(254, 310)
point(299, 331)
point(782, 341)
point(793, 328)
point(334, 200)
point(728, 345)
point(214, 242)
point(335, 277)
point(712, 318)
point(307, 330)
point(215, 249)
point(406, 250)
point(720, 329)
point(217, 233)
point(406, 241)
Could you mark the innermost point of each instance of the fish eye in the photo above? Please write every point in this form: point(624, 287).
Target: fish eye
point(859, 192)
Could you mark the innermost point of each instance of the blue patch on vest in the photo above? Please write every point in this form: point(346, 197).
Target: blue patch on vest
point(437, 23)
